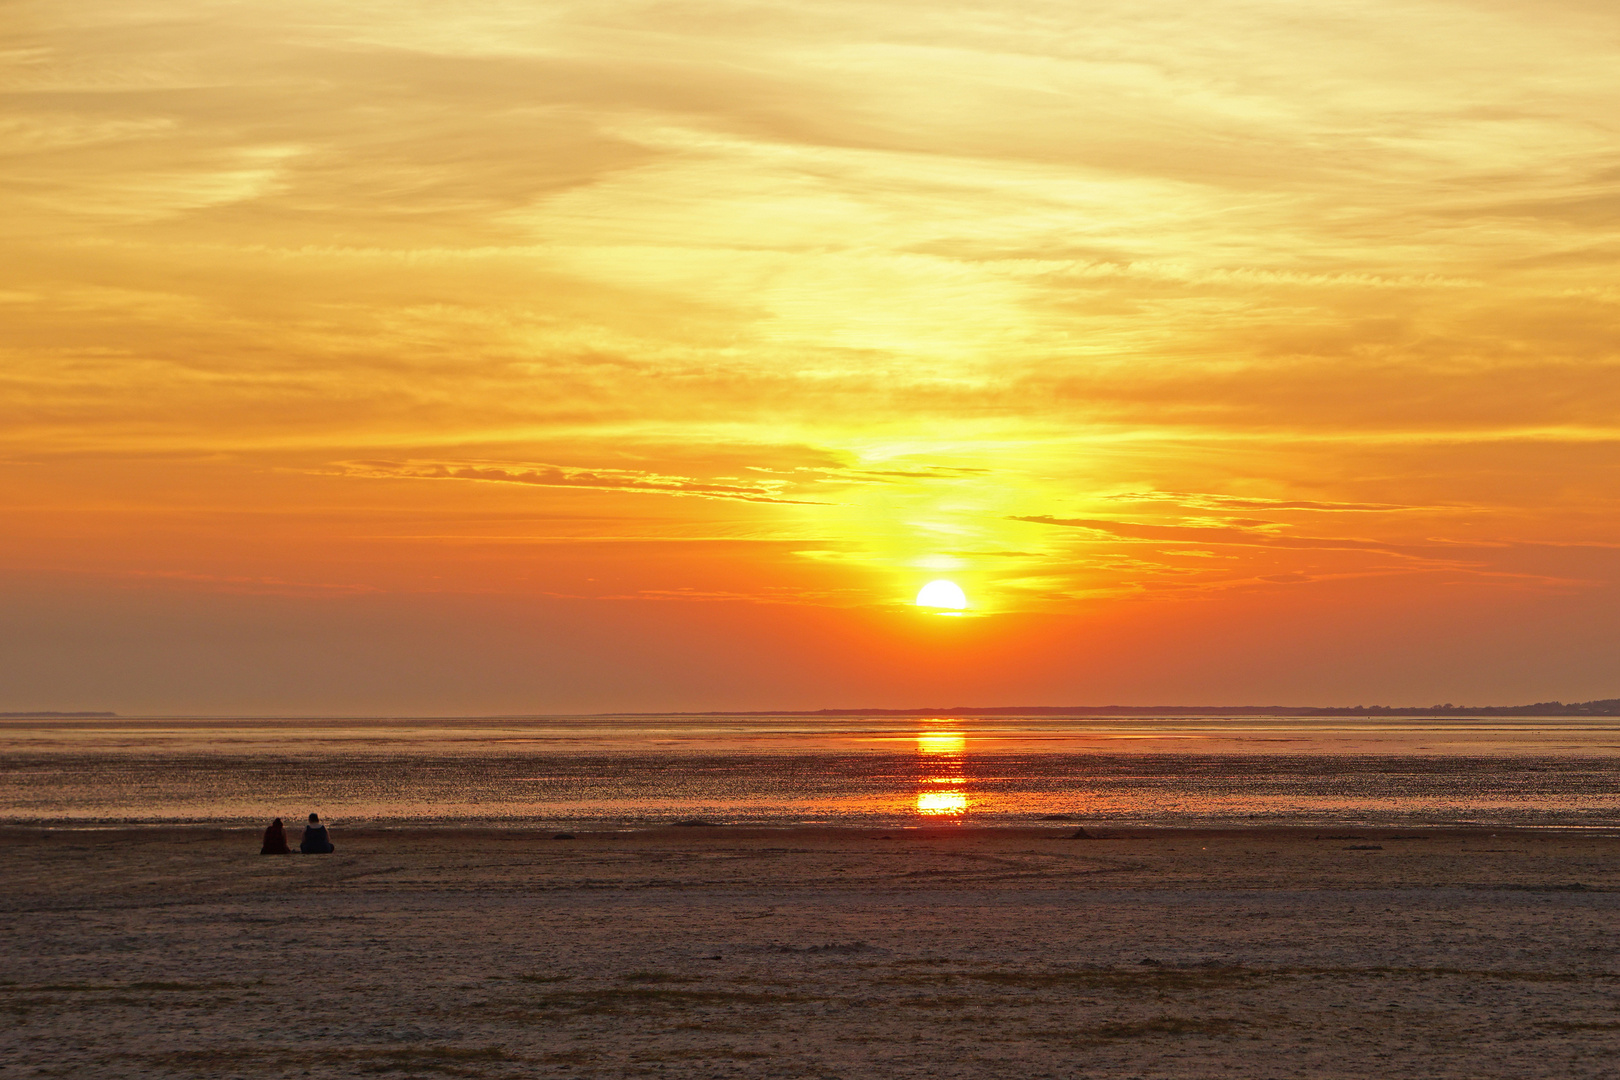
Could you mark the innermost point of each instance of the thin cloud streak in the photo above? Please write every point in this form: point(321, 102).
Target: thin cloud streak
point(558, 476)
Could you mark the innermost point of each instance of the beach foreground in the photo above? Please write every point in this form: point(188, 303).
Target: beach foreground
point(718, 951)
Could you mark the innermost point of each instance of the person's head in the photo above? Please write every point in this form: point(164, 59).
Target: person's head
point(277, 823)
point(314, 819)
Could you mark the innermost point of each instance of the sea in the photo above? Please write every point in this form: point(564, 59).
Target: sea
point(862, 770)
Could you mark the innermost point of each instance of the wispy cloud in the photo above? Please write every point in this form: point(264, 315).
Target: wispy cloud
point(1231, 502)
point(556, 476)
point(1206, 534)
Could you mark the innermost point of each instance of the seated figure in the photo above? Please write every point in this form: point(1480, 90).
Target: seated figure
point(315, 841)
point(275, 840)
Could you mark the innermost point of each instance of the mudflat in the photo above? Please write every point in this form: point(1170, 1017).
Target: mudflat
point(726, 952)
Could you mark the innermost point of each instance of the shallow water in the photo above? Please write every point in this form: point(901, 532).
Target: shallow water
point(858, 770)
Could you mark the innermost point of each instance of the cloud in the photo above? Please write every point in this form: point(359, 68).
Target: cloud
point(1203, 534)
point(1517, 563)
point(558, 476)
point(1232, 502)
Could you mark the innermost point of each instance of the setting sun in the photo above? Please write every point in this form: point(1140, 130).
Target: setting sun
point(451, 340)
point(942, 594)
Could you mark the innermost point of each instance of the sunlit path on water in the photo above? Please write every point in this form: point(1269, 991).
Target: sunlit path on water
point(888, 771)
point(942, 759)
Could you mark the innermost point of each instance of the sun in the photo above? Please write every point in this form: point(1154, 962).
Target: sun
point(942, 594)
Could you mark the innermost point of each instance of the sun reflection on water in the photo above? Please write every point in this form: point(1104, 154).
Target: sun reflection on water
point(943, 753)
point(951, 743)
point(941, 802)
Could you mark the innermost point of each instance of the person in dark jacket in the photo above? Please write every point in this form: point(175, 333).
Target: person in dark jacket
point(315, 841)
point(275, 840)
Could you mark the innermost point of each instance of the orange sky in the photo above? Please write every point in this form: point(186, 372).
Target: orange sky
point(503, 356)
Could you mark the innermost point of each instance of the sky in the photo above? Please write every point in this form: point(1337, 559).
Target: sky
point(507, 357)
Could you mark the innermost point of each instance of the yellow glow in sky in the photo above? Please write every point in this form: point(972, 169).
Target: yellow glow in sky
point(505, 357)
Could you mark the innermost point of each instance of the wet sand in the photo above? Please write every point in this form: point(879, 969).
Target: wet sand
point(725, 952)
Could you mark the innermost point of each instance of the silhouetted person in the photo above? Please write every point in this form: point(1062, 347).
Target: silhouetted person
point(275, 840)
point(315, 841)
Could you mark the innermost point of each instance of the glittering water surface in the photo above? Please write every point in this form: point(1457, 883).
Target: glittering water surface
point(864, 770)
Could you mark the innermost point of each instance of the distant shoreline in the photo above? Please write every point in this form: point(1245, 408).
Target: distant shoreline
point(57, 715)
point(1602, 707)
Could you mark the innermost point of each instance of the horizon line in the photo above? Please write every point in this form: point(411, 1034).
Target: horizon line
point(1596, 707)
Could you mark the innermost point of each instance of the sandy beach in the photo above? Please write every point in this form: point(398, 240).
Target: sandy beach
point(722, 952)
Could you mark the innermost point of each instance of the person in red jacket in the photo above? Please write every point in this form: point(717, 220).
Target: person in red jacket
point(275, 840)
